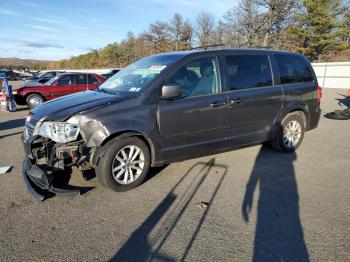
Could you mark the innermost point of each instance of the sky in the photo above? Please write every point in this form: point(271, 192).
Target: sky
point(60, 29)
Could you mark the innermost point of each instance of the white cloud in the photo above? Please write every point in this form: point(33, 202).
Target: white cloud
point(41, 27)
point(5, 11)
point(30, 4)
point(38, 44)
point(47, 20)
point(211, 6)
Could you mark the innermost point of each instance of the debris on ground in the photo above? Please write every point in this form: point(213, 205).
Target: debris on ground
point(339, 114)
point(202, 204)
point(5, 169)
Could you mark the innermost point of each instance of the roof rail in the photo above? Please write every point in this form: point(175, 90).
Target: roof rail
point(205, 47)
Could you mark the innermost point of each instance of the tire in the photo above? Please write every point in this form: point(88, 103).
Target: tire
point(287, 140)
point(34, 100)
point(111, 160)
point(339, 114)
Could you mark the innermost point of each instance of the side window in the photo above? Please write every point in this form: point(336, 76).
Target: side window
point(248, 71)
point(293, 69)
point(92, 79)
point(80, 79)
point(56, 74)
point(199, 77)
point(65, 81)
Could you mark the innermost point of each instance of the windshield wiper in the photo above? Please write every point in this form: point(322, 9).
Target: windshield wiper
point(107, 92)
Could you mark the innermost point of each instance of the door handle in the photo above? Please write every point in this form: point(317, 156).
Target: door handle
point(236, 101)
point(217, 104)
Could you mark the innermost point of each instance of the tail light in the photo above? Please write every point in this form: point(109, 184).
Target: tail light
point(319, 94)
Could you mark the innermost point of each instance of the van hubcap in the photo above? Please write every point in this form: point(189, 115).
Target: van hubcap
point(292, 134)
point(128, 165)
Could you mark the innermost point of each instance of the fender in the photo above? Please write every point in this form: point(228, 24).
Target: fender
point(102, 149)
point(96, 133)
point(293, 106)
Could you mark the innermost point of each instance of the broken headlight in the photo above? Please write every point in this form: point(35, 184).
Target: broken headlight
point(60, 132)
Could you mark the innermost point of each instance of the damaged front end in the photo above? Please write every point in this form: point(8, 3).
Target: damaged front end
point(52, 149)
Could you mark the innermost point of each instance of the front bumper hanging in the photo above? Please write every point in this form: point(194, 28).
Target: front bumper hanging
point(40, 184)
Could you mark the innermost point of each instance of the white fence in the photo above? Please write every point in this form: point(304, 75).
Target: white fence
point(333, 75)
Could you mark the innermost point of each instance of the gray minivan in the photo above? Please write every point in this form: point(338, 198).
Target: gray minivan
point(171, 107)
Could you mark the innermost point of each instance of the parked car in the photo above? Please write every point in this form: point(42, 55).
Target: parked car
point(42, 78)
point(171, 107)
point(5, 73)
point(110, 73)
point(63, 84)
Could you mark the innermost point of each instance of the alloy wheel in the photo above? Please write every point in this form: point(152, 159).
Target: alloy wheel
point(128, 164)
point(292, 134)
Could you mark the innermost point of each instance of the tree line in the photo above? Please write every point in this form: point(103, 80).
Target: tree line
point(320, 29)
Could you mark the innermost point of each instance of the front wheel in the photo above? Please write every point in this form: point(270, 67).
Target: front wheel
point(34, 100)
point(124, 165)
point(290, 133)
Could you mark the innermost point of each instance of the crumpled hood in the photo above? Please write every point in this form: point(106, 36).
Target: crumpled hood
point(62, 108)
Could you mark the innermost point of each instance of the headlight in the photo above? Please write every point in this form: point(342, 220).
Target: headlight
point(60, 132)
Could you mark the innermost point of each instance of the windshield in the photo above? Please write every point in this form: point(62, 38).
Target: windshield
point(137, 76)
point(48, 83)
point(40, 74)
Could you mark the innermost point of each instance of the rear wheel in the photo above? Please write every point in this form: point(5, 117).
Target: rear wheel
point(34, 100)
point(125, 164)
point(290, 133)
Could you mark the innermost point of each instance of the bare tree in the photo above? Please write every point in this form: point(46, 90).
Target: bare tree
point(277, 15)
point(176, 27)
point(219, 38)
point(204, 29)
point(180, 32)
point(157, 35)
point(187, 34)
point(245, 24)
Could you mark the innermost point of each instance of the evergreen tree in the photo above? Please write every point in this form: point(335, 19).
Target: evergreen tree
point(318, 28)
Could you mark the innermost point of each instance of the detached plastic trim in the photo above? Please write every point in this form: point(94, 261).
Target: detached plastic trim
point(40, 185)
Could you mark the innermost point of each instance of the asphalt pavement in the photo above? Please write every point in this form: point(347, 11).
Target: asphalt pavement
point(252, 203)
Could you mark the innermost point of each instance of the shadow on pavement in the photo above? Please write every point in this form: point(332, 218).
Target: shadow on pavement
point(13, 134)
point(141, 246)
point(12, 124)
point(279, 234)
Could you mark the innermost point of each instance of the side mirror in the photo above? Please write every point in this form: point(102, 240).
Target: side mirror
point(171, 92)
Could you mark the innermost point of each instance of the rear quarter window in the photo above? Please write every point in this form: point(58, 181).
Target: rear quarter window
point(293, 69)
point(248, 71)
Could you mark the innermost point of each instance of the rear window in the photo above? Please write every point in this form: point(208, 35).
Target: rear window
point(248, 71)
point(293, 69)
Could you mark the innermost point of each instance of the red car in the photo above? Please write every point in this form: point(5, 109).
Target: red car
point(64, 84)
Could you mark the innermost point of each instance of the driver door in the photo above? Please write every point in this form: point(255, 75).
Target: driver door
point(64, 86)
point(194, 124)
